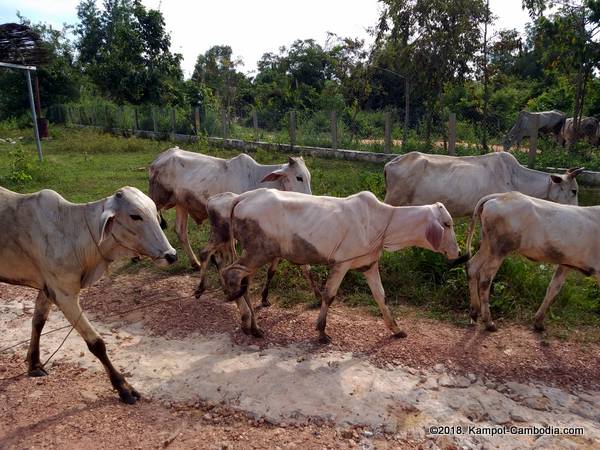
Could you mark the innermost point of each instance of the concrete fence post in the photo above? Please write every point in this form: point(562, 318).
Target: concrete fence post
point(334, 132)
point(154, 124)
point(224, 124)
point(292, 128)
point(136, 119)
point(387, 143)
point(255, 123)
point(452, 134)
point(173, 123)
point(197, 119)
point(533, 140)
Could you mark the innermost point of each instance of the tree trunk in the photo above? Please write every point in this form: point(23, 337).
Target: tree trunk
point(484, 143)
point(406, 111)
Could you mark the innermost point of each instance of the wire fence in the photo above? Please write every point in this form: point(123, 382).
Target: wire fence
point(371, 131)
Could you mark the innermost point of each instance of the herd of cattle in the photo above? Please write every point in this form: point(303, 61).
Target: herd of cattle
point(58, 247)
point(556, 124)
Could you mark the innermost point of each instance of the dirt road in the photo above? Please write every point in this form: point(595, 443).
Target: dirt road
point(207, 385)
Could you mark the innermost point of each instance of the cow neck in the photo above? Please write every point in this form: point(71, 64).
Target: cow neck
point(87, 223)
point(540, 188)
point(407, 226)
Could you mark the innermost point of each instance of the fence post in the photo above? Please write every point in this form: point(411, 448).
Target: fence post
point(387, 145)
point(255, 123)
point(154, 124)
point(533, 140)
point(292, 129)
point(334, 134)
point(121, 118)
point(197, 119)
point(224, 124)
point(452, 134)
point(106, 116)
point(81, 115)
point(173, 123)
point(136, 120)
point(94, 115)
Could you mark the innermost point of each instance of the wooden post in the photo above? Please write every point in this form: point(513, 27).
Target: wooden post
point(452, 134)
point(81, 115)
point(154, 124)
point(387, 145)
point(406, 111)
point(292, 128)
point(94, 115)
point(197, 119)
point(106, 116)
point(136, 119)
point(533, 140)
point(255, 123)
point(224, 124)
point(334, 133)
point(121, 117)
point(173, 123)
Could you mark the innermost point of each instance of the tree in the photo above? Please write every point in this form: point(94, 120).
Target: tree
point(125, 51)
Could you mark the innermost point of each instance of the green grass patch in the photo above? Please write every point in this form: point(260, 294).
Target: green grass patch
point(84, 165)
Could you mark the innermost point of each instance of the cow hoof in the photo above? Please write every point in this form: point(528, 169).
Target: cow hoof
point(474, 316)
point(539, 327)
point(399, 334)
point(257, 332)
point(38, 372)
point(324, 339)
point(129, 395)
point(491, 327)
point(265, 304)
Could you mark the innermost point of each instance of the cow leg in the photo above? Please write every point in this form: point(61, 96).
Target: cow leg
point(181, 219)
point(205, 257)
point(473, 268)
point(270, 273)
point(374, 281)
point(311, 280)
point(236, 279)
point(486, 276)
point(40, 315)
point(331, 287)
point(70, 307)
point(558, 279)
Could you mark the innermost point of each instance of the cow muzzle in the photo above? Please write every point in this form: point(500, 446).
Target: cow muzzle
point(167, 258)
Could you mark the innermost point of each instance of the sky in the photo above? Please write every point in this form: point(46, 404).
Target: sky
point(251, 28)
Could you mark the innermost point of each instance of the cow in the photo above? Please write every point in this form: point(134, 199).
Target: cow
point(588, 128)
point(185, 181)
point(549, 122)
point(459, 182)
point(58, 248)
point(542, 231)
point(342, 233)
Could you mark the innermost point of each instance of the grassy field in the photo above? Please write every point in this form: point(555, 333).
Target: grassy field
point(85, 165)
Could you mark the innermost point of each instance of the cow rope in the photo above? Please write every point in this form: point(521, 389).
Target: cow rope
point(110, 317)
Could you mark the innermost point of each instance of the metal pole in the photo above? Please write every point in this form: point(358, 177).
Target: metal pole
point(33, 115)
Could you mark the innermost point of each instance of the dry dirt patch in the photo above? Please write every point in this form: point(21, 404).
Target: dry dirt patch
point(185, 353)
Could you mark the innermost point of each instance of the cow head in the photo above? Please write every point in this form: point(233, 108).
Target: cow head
point(130, 218)
point(563, 188)
point(439, 232)
point(293, 176)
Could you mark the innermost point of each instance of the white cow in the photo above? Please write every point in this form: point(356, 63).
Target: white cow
point(549, 122)
point(185, 180)
point(342, 233)
point(58, 248)
point(537, 229)
point(459, 182)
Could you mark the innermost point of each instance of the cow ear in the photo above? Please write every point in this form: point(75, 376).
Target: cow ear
point(556, 179)
point(273, 176)
point(106, 223)
point(291, 161)
point(434, 233)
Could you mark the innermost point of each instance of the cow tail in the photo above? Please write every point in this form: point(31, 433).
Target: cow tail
point(476, 215)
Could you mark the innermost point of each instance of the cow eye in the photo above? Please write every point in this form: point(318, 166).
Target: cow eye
point(299, 179)
point(135, 217)
point(574, 191)
point(447, 224)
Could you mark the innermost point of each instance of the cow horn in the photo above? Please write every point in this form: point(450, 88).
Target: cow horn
point(573, 172)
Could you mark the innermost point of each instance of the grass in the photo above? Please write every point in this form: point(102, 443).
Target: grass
point(85, 165)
